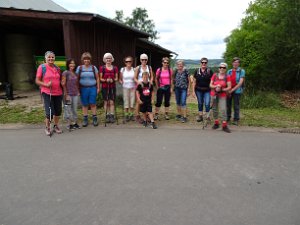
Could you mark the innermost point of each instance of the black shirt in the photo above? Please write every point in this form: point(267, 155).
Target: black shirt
point(203, 79)
point(145, 91)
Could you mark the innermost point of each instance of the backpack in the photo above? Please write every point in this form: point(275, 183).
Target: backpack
point(208, 71)
point(44, 68)
point(225, 77)
point(159, 73)
point(80, 70)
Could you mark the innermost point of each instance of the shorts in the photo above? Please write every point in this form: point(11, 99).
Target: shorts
point(146, 107)
point(88, 95)
point(56, 105)
point(111, 95)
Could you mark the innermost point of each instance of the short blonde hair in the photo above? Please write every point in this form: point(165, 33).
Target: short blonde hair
point(165, 59)
point(180, 61)
point(108, 55)
point(86, 55)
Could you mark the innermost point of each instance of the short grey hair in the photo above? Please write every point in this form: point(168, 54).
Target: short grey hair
point(108, 55)
point(180, 61)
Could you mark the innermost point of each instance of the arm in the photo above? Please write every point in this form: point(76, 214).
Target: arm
point(136, 75)
point(238, 85)
point(121, 78)
point(98, 83)
point(189, 85)
point(38, 78)
point(151, 75)
point(138, 97)
point(116, 75)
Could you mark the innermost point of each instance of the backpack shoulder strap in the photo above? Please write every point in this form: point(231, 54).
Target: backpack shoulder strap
point(94, 71)
point(43, 70)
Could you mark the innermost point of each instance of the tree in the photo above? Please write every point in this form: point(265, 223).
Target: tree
point(268, 41)
point(139, 20)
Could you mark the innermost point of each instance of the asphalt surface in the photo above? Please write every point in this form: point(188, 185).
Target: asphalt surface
point(138, 176)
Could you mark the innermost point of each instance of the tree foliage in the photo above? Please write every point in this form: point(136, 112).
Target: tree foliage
point(140, 20)
point(268, 42)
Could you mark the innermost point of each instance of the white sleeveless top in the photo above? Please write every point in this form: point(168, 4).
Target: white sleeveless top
point(128, 78)
point(140, 78)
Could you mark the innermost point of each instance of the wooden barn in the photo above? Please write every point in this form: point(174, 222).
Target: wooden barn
point(25, 32)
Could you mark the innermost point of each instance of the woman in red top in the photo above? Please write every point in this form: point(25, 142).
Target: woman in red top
point(220, 84)
point(49, 80)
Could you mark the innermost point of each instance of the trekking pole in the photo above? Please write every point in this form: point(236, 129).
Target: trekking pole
point(115, 108)
point(107, 93)
point(205, 119)
point(50, 112)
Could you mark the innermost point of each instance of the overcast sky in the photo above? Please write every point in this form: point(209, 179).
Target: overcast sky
point(191, 28)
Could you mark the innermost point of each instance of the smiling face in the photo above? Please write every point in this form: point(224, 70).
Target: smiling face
point(236, 64)
point(180, 66)
point(86, 61)
point(50, 58)
point(72, 65)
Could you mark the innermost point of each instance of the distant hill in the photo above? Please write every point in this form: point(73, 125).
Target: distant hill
point(194, 63)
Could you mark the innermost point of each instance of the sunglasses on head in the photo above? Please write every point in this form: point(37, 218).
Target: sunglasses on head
point(221, 67)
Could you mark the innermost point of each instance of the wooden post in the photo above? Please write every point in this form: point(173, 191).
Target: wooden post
point(67, 38)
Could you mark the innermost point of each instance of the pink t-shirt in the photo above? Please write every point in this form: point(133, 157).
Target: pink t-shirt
point(52, 74)
point(165, 77)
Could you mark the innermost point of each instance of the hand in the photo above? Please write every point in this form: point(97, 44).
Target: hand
point(194, 95)
point(188, 93)
point(140, 101)
point(98, 90)
point(218, 88)
point(49, 84)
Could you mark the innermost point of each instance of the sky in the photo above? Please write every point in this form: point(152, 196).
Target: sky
point(191, 28)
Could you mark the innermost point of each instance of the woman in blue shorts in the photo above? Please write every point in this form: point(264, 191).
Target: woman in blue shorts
point(88, 77)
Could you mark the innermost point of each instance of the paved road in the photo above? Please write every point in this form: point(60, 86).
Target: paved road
point(140, 176)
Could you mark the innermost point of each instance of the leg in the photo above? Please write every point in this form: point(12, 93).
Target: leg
point(167, 102)
point(183, 104)
point(229, 106)
point(159, 98)
point(177, 98)
point(236, 99)
point(222, 106)
point(200, 97)
point(57, 105)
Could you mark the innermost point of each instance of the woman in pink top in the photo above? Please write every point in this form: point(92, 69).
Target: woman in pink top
point(163, 82)
point(48, 77)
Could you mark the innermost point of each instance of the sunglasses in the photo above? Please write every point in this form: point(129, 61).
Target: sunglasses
point(222, 67)
point(165, 62)
point(128, 61)
point(204, 62)
point(144, 59)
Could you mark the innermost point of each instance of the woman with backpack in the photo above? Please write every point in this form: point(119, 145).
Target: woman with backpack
point(201, 89)
point(89, 87)
point(220, 84)
point(108, 78)
point(48, 77)
point(127, 81)
point(71, 92)
point(138, 78)
point(182, 90)
point(164, 90)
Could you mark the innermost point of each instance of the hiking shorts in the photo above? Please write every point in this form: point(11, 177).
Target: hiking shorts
point(88, 95)
point(56, 105)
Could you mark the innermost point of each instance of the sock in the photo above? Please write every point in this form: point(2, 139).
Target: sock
point(217, 122)
point(224, 124)
point(94, 116)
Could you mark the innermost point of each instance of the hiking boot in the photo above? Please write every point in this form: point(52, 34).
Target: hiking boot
point(57, 130)
point(70, 127)
point(167, 117)
point(85, 121)
point(138, 119)
point(199, 118)
point(48, 131)
point(183, 119)
point(107, 118)
point(127, 118)
point(76, 126)
point(144, 123)
point(178, 117)
point(153, 125)
point(112, 118)
point(215, 126)
point(235, 122)
point(95, 121)
point(132, 118)
point(226, 129)
point(156, 116)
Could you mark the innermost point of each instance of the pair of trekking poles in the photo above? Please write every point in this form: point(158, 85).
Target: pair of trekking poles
point(108, 104)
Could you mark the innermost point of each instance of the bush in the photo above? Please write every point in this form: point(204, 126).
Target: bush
point(261, 99)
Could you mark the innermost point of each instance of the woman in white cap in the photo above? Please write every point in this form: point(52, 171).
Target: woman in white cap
point(138, 78)
point(220, 84)
point(108, 77)
point(48, 77)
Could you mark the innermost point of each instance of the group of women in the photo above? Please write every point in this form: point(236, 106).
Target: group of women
point(209, 88)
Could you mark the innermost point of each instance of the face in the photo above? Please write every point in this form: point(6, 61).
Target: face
point(50, 58)
point(128, 61)
point(144, 61)
point(204, 63)
point(222, 69)
point(72, 65)
point(179, 66)
point(108, 59)
point(87, 61)
point(145, 78)
point(165, 63)
point(236, 64)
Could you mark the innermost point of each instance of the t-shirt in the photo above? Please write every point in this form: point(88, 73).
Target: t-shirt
point(240, 73)
point(71, 83)
point(128, 78)
point(87, 76)
point(52, 74)
point(181, 79)
point(145, 91)
point(109, 73)
point(202, 79)
point(222, 82)
point(164, 77)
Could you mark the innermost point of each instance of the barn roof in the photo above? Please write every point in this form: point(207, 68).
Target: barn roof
point(43, 5)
